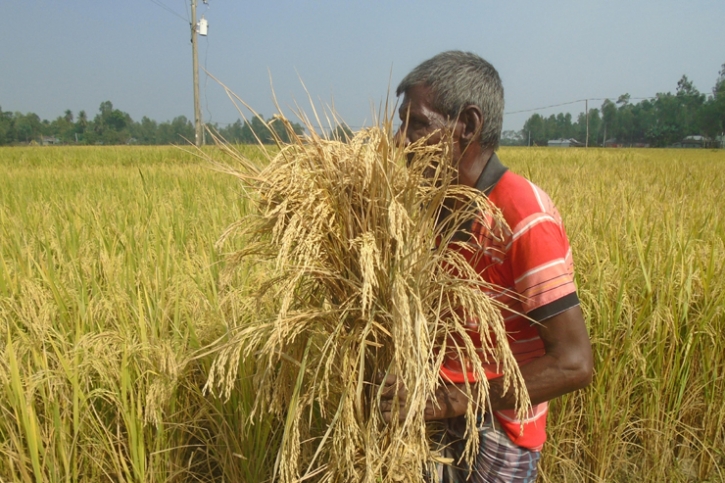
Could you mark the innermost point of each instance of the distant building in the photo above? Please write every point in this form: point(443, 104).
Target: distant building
point(49, 140)
point(697, 142)
point(564, 143)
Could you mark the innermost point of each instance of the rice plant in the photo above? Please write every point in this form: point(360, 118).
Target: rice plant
point(647, 230)
point(353, 280)
point(112, 289)
point(108, 289)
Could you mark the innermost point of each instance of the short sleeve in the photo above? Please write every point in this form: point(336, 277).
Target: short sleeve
point(542, 265)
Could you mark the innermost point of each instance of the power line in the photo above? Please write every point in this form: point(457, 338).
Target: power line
point(545, 107)
point(572, 102)
point(186, 11)
point(170, 10)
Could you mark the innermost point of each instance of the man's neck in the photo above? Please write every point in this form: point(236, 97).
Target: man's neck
point(471, 166)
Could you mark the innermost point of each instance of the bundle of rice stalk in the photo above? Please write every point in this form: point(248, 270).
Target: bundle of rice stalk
point(354, 279)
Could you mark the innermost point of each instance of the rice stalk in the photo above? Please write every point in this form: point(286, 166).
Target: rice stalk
point(352, 280)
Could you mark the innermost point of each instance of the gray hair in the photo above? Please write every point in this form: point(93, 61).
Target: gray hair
point(460, 79)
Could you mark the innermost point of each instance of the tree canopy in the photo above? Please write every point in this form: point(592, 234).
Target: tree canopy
point(662, 120)
point(113, 126)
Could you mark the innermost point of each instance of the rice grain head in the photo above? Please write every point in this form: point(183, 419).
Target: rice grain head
point(356, 281)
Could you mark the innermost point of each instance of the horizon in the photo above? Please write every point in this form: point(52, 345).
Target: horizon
point(138, 56)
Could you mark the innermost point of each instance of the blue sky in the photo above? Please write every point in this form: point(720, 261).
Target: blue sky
point(75, 54)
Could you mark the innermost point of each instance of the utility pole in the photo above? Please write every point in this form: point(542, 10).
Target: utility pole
point(199, 131)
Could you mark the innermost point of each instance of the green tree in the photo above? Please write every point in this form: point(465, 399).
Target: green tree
point(146, 131)
point(258, 131)
point(690, 101)
point(62, 129)
point(563, 127)
point(624, 132)
point(111, 126)
point(609, 119)
point(239, 132)
point(662, 121)
point(233, 133)
point(719, 88)
point(667, 128)
point(7, 128)
point(535, 129)
point(580, 127)
point(28, 127)
point(81, 125)
point(179, 131)
point(711, 117)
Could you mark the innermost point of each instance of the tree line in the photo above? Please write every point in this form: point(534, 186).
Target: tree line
point(113, 126)
point(664, 120)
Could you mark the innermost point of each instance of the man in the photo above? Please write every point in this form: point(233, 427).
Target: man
point(461, 94)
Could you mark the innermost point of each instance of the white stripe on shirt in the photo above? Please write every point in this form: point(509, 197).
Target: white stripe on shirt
point(539, 219)
point(558, 261)
point(536, 193)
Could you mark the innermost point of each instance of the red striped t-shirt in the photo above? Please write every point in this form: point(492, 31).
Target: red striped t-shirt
point(530, 263)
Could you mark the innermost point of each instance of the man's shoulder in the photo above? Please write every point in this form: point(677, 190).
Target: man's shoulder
point(518, 198)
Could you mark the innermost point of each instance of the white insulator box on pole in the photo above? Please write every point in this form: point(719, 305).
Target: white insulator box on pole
point(203, 26)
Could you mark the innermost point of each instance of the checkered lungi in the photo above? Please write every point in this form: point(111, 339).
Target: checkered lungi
point(498, 460)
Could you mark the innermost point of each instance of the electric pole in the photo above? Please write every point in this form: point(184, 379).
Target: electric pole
point(199, 131)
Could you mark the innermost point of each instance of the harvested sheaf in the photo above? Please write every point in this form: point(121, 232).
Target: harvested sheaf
point(352, 282)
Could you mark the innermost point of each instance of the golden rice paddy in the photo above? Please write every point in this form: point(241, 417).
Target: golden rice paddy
point(110, 283)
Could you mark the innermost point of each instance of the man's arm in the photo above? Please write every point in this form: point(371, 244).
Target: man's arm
point(566, 367)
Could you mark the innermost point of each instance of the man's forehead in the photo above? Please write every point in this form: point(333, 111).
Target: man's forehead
point(415, 98)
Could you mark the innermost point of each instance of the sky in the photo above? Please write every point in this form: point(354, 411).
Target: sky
point(346, 54)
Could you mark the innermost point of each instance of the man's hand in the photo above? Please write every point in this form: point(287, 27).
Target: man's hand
point(450, 401)
point(393, 394)
point(566, 367)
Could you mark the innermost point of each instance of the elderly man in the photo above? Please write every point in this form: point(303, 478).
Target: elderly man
point(461, 93)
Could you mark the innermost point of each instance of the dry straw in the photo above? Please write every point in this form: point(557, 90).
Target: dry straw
point(350, 280)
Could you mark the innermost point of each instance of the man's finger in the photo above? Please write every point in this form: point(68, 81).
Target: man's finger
point(393, 386)
point(387, 414)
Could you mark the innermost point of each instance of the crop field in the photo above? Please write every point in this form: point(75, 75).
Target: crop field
point(112, 287)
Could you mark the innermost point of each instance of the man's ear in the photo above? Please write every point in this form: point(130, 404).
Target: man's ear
point(471, 119)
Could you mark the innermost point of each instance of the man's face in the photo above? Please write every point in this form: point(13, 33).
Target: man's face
point(419, 118)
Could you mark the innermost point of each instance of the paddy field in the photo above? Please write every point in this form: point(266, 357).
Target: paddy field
point(112, 286)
